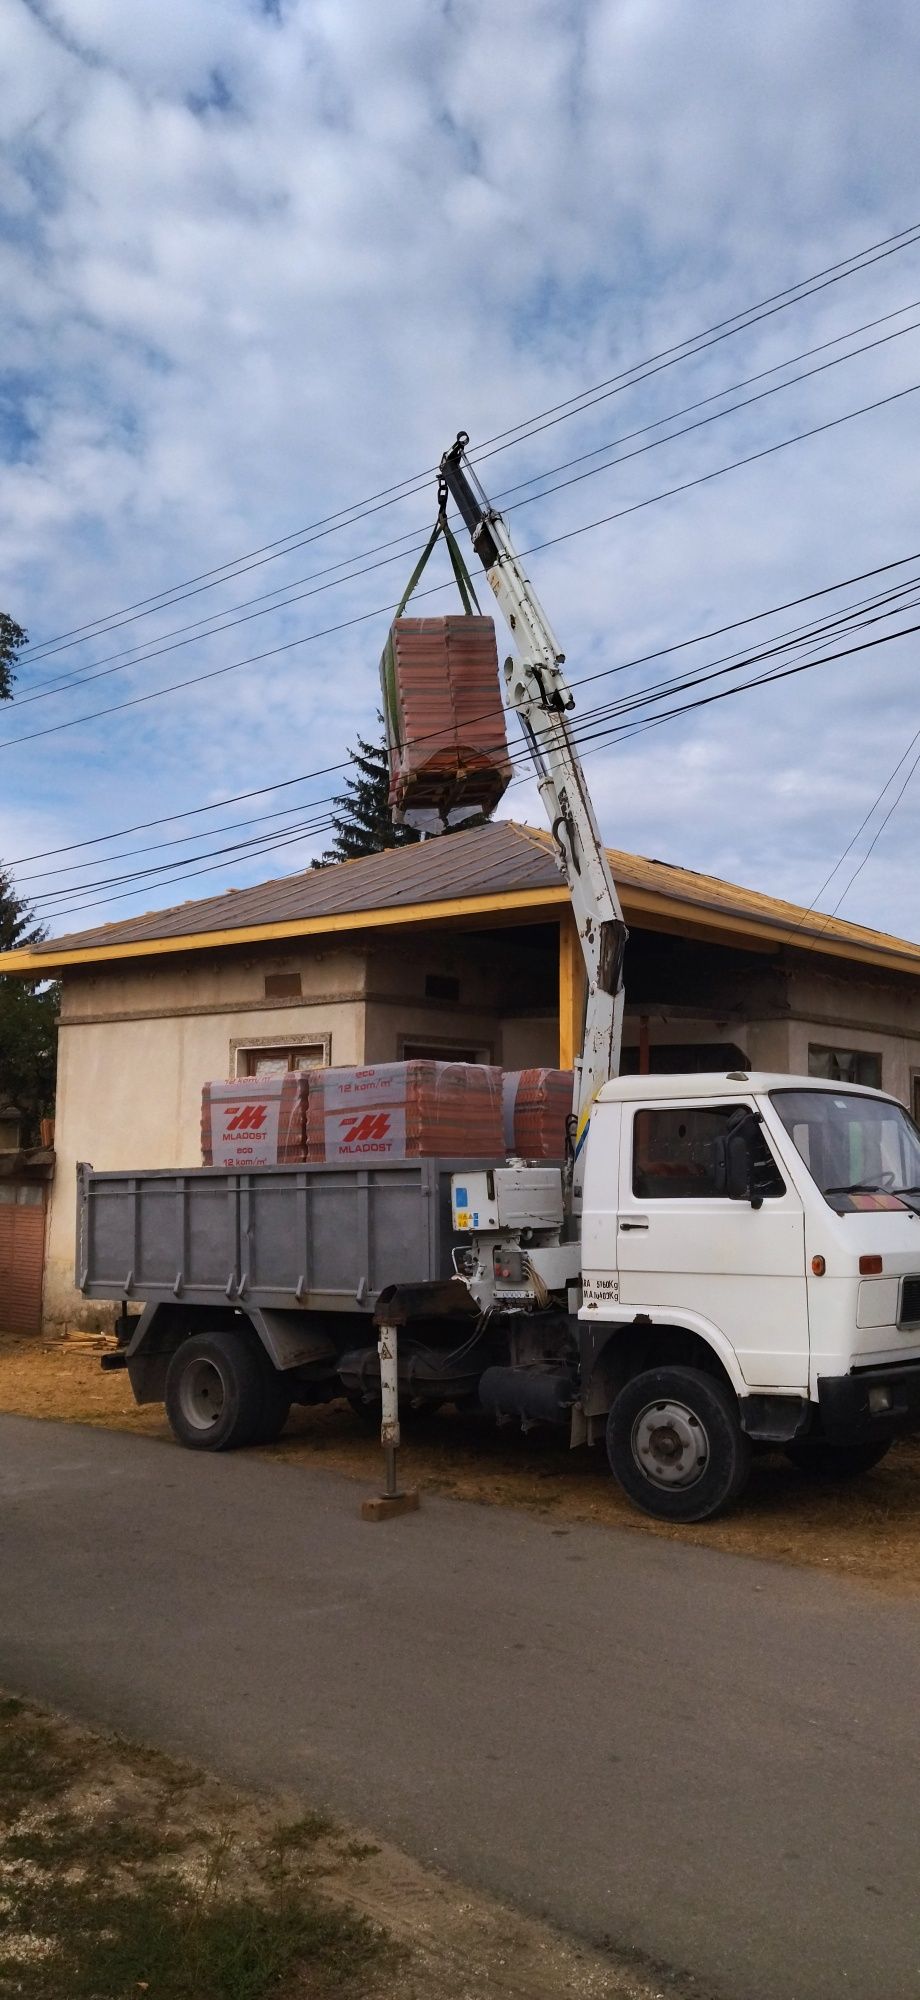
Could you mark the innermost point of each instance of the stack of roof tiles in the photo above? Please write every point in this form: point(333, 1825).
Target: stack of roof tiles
point(406, 1110)
point(444, 715)
point(256, 1121)
point(537, 1103)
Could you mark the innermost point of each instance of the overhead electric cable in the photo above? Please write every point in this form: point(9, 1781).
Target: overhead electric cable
point(687, 348)
point(379, 611)
point(810, 636)
point(643, 659)
point(134, 656)
point(591, 726)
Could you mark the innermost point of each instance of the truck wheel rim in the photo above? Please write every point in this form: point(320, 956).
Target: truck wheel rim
point(201, 1395)
point(670, 1445)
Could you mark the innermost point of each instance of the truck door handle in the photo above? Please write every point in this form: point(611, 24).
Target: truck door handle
point(633, 1222)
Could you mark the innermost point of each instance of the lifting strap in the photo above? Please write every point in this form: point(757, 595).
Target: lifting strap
point(462, 576)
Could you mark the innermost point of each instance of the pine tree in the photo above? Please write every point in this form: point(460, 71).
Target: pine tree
point(28, 1016)
point(361, 814)
point(12, 640)
point(362, 818)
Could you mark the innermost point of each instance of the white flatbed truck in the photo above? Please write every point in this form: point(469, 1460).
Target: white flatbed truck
point(725, 1263)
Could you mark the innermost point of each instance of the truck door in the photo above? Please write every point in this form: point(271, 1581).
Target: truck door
point(683, 1244)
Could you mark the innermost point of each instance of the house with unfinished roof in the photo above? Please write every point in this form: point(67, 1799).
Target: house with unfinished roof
point(458, 948)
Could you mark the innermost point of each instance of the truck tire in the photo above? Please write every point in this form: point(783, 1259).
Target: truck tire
point(675, 1444)
point(823, 1460)
point(215, 1391)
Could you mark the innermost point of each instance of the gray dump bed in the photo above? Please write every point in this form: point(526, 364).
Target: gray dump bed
point(322, 1238)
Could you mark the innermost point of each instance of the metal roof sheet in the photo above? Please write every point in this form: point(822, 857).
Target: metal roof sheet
point(502, 859)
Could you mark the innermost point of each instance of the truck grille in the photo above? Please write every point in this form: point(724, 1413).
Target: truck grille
point(909, 1314)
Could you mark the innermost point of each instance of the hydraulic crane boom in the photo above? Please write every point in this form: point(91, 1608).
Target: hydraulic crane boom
point(536, 689)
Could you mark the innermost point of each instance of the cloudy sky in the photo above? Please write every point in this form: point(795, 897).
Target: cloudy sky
point(262, 258)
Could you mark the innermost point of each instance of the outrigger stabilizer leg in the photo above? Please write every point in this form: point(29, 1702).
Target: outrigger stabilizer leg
point(393, 1499)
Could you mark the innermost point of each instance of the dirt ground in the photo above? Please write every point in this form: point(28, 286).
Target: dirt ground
point(125, 1872)
point(868, 1530)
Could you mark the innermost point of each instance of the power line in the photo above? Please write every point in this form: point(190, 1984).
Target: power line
point(724, 329)
point(642, 659)
point(851, 843)
point(686, 349)
point(877, 835)
point(808, 636)
point(272, 652)
point(133, 656)
point(593, 726)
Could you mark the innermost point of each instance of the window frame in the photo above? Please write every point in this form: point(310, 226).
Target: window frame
point(443, 1048)
point(723, 1108)
point(846, 1082)
point(244, 1046)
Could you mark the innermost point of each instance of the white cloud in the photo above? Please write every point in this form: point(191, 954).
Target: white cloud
point(259, 262)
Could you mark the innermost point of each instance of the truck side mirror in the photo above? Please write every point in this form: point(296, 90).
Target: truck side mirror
point(733, 1156)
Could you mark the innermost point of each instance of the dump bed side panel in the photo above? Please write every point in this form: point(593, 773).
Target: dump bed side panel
point(323, 1237)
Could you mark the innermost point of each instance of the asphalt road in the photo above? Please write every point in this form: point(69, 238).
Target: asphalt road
point(706, 1761)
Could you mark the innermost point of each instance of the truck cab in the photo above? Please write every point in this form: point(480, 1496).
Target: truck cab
point(761, 1232)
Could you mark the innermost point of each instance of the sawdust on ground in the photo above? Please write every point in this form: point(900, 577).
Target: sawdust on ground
point(868, 1530)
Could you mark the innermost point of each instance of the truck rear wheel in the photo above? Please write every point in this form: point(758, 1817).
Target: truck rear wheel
point(215, 1391)
point(823, 1460)
point(676, 1446)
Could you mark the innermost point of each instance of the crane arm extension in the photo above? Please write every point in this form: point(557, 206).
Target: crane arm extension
point(536, 689)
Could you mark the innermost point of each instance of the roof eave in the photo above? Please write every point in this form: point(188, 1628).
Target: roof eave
point(44, 965)
point(706, 921)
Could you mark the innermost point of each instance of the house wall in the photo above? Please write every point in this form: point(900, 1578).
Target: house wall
point(857, 1013)
point(135, 1047)
point(506, 984)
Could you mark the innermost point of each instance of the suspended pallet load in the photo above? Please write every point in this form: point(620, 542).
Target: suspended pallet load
point(255, 1121)
point(537, 1105)
point(443, 708)
point(406, 1110)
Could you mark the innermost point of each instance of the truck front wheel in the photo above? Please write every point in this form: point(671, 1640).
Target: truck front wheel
point(215, 1391)
point(675, 1444)
point(823, 1460)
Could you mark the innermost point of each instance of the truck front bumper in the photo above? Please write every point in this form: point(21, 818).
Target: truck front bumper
point(870, 1403)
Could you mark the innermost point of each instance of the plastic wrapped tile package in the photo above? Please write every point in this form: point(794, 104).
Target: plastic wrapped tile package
point(445, 720)
point(536, 1104)
point(406, 1110)
point(255, 1121)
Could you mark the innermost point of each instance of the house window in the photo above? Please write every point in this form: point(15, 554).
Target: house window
point(441, 986)
point(282, 986)
point(441, 1052)
point(277, 1061)
point(674, 1157)
point(845, 1065)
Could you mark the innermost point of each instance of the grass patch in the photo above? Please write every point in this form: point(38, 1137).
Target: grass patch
point(123, 1875)
point(34, 1763)
point(103, 1943)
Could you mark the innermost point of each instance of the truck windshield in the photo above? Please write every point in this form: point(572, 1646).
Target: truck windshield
point(853, 1145)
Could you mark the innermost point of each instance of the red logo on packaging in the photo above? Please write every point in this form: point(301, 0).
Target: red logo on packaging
point(358, 1132)
point(249, 1118)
